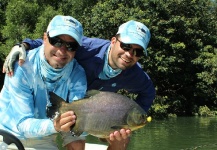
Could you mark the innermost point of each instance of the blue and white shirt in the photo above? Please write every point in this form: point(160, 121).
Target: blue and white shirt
point(24, 97)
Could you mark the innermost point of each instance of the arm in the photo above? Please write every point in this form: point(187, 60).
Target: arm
point(20, 115)
point(31, 44)
point(21, 108)
point(141, 85)
point(19, 50)
point(146, 93)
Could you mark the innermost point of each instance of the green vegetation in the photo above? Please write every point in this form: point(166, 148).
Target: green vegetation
point(182, 53)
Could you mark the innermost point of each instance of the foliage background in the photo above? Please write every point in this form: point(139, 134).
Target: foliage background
point(182, 53)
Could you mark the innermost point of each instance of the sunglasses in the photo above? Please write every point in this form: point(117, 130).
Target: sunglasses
point(138, 52)
point(58, 42)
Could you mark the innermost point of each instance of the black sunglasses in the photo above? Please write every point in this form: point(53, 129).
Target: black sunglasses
point(138, 52)
point(58, 42)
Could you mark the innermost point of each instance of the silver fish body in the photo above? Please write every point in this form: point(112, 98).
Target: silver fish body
point(102, 113)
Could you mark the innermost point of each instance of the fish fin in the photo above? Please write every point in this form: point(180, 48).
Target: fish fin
point(91, 93)
point(75, 130)
point(55, 99)
point(56, 103)
point(76, 133)
point(120, 127)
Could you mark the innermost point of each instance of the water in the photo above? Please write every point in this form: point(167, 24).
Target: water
point(182, 133)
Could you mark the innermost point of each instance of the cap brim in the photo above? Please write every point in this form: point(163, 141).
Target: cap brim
point(57, 32)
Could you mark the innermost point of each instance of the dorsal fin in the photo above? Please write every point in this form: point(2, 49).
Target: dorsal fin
point(91, 93)
point(55, 99)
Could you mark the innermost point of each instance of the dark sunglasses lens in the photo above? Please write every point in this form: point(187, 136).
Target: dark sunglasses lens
point(125, 47)
point(72, 46)
point(55, 41)
point(138, 52)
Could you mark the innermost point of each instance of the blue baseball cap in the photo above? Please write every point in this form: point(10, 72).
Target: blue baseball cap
point(134, 32)
point(66, 25)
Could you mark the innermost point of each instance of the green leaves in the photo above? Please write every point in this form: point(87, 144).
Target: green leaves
point(181, 59)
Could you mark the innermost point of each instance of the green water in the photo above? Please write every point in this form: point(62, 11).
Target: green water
point(182, 133)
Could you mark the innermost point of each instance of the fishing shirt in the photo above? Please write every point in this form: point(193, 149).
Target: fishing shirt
point(24, 96)
point(91, 56)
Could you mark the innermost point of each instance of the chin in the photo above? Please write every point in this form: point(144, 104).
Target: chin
point(122, 67)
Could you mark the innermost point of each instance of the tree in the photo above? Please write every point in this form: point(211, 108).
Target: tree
point(181, 54)
point(182, 30)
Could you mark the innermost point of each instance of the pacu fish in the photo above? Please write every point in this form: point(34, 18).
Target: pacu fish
point(102, 113)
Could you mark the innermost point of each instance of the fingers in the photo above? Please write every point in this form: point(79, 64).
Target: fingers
point(21, 61)
point(17, 50)
point(120, 135)
point(3, 69)
point(65, 121)
point(119, 139)
point(7, 68)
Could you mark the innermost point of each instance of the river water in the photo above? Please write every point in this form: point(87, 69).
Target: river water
point(181, 133)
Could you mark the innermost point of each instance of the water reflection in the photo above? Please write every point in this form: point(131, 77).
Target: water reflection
point(182, 133)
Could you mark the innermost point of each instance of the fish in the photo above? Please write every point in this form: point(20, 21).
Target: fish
point(100, 113)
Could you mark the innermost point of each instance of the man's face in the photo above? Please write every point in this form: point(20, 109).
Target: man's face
point(118, 58)
point(58, 57)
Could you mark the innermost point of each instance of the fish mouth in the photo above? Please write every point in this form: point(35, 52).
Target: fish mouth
point(138, 127)
point(148, 119)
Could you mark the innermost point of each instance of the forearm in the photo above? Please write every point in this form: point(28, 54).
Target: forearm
point(36, 127)
point(145, 101)
point(146, 96)
point(31, 44)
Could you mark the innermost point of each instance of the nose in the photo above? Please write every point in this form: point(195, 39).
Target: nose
point(130, 53)
point(63, 49)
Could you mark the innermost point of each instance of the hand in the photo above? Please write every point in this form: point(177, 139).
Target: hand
point(64, 122)
point(17, 50)
point(120, 135)
point(119, 139)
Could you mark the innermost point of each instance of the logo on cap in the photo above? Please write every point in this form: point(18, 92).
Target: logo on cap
point(141, 31)
point(70, 21)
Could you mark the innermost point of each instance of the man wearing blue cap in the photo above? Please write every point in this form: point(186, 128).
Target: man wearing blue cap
point(109, 66)
point(51, 67)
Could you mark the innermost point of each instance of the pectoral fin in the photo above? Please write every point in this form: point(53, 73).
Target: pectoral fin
point(76, 133)
point(76, 129)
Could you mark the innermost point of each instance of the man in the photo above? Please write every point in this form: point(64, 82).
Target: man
point(109, 65)
point(24, 97)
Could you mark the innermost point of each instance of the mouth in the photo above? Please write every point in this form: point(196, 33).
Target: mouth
point(125, 60)
point(61, 58)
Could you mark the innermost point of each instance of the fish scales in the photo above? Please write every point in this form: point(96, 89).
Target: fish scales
point(104, 112)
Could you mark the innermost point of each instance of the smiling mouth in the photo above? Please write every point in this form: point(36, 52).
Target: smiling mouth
point(60, 57)
point(127, 61)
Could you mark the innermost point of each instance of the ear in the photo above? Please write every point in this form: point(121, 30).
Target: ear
point(45, 36)
point(113, 41)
